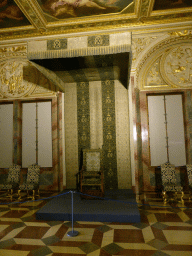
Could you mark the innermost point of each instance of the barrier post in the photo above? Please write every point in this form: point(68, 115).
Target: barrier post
point(72, 232)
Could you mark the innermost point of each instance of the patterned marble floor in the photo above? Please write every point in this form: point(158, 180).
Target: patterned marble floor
point(162, 231)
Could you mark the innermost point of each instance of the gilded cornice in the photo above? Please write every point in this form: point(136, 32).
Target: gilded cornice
point(12, 51)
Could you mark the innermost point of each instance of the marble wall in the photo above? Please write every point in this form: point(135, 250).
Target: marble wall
point(160, 66)
point(17, 87)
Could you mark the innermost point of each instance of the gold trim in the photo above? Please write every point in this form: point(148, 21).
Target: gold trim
point(171, 11)
point(180, 33)
point(129, 9)
point(156, 86)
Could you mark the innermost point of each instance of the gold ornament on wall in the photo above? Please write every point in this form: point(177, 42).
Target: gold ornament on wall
point(180, 33)
point(139, 44)
point(12, 82)
point(12, 76)
point(176, 66)
point(154, 78)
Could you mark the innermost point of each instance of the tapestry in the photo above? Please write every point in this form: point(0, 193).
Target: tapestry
point(83, 118)
point(109, 135)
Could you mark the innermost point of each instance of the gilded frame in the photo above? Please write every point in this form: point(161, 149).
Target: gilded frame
point(136, 16)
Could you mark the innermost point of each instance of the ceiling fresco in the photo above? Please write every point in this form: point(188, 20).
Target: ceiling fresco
point(62, 9)
point(11, 15)
point(20, 18)
point(171, 4)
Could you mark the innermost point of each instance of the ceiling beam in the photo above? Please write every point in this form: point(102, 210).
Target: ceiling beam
point(144, 8)
point(33, 13)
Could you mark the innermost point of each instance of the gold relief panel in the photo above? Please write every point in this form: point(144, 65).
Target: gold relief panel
point(181, 33)
point(13, 51)
point(167, 65)
point(176, 65)
point(153, 77)
point(139, 45)
point(13, 83)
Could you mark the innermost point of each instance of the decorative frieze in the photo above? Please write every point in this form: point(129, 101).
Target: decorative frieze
point(79, 46)
point(13, 51)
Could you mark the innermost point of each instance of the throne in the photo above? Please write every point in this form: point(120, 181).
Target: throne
point(91, 178)
point(13, 180)
point(32, 182)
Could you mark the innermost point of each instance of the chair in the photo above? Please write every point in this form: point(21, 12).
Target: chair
point(13, 180)
point(32, 182)
point(169, 182)
point(91, 175)
point(189, 174)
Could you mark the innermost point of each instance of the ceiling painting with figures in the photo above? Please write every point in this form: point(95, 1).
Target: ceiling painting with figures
point(62, 9)
point(20, 18)
point(11, 15)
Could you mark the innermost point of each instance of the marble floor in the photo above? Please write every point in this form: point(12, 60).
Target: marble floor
point(164, 230)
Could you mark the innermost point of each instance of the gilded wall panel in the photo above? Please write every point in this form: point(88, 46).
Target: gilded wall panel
point(176, 65)
point(20, 79)
point(167, 65)
point(154, 77)
point(141, 44)
point(13, 84)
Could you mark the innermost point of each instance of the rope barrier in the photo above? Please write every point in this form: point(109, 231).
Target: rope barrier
point(102, 198)
point(135, 203)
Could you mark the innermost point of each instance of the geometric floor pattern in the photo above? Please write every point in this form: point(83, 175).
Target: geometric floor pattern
point(163, 230)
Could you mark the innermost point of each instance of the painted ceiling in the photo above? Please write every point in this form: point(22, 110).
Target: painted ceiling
point(21, 18)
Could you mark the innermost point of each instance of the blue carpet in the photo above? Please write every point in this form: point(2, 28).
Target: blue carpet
point(117, 206)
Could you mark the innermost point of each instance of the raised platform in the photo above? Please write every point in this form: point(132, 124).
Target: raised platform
point(117, 206)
